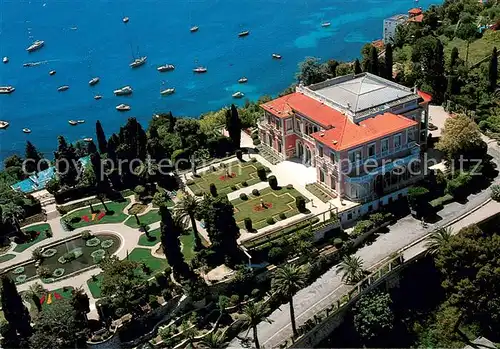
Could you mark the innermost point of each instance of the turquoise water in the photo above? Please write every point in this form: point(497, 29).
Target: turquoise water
point(102, 45)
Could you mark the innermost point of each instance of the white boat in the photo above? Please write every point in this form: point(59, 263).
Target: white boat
point(26, 130)
point(238, 94)
point(94, 81)
point(124, 91)
point(74, 28)
point(97, 97)
point(63, 88)
point(88, 139)
point(242, 80)
point(194, 29)
point(38, 44)
point(138, 62)
point(325, 24)
point(123, 107)
point(5, 59)
point(73, 122)
point(276, 56)
point(244, 33)
point(6, 89)
point(80, 121)
point(200, 70)
point(166, 67)
point(167, 91)
point(52, 72)
point(3, 125)
point(125, 19)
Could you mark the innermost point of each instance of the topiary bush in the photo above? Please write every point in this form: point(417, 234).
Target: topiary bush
point(248, 224)
point(276, 255)
point(261, 173)
point(301, 203)
point(243, 196)
point(198, 193)
point(107, 243)
point(86, 235)
point(239, 154)
point(338, 243)
point(213, 190)
point(253, 160)
point(93, 242)
point(282, 215)
point(273, 182)
point(270, 220)
point(256, 142)
point(244, 184)
point(233, 188)
point(255, 192)
point(289, 186)
point(18, 270)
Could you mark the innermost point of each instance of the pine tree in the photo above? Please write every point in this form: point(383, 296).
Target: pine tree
point(233, 126)
point(33, 158)
point(66, 163)
point(14, 310)
point(101, 138)
point(357, 67)
point(388, 62)
point(373, 61)
point(493, 70)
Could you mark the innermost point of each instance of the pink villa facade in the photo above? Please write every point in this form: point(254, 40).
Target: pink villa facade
point(342, 124)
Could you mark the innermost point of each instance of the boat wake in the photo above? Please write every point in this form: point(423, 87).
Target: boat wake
point(34, 64)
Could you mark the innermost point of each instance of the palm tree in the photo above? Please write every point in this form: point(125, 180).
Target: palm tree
point(352, 270)
point(101, 197)
point(253, 314)
point(12, 213)
point(33, 293)
point(438, 238)
point(287, 281)
point(214, 340)
point(90, 206)
point(187, 207)
point(37, 254)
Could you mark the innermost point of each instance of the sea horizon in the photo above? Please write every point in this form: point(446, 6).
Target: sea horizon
point(85, 39)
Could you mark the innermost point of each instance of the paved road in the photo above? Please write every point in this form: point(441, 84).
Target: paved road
point(328, 288)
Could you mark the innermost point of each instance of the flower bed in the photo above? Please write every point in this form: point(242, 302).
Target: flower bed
point(21, 278)
point(93, 242)
point(18, 270)
point(107, 243)
point(49, 252)
point(58, 272)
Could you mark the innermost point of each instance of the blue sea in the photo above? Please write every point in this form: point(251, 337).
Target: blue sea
point(87, 38)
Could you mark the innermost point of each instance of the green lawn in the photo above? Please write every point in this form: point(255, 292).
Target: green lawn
point(143, 255)
point(240, 172)
point(64, 294)
point(186, 240)
point(6, 257)
point(148, 218)
point(40, 228)
point(276, 201)
point(155, 238)
point(95, 286)
point(116, 214)
point(478, 49)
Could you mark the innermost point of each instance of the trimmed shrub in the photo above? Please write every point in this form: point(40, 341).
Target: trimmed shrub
point(198, 193)
point(233, 188)
point(189, 182)
point(256, 142)
point(273, 182)
point(458, 186)
point(213, 190)
point(239, 154)
point(495, 192)
point(267, 169)
point(270, 220)
point(243, 196)
point(222, 165)
point(248, 224)
point(301, 203)
point(235, 299)
point(276, 255)
point(255, 292)
point(338, 243)
point(244, 184)
point(48, 233)
point(282, 215)
point(212, 168)
point(87, 235)
point(378, 218)
point(261, 172)
point(362, 227)
point(255, 192)
point(289, 186)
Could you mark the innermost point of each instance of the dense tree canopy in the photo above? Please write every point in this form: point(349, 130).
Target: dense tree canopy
point(373, 315)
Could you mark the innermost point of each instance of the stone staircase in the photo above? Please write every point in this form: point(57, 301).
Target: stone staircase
point(269, 154)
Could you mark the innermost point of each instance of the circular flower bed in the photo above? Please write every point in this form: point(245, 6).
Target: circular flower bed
point(49, 252)
point(97, 255)
point(18, 270)
point(21, 278)
point(107, 243)
point(61, 260)
point(93, 242)
point(58, 272)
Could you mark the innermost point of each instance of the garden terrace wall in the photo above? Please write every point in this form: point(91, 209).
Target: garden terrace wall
point(362, 237)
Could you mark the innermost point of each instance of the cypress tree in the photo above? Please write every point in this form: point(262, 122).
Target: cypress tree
point(171, 122)
point(91, 148)
point(388, 61)
point(357, 67)
point(453, 58)
point(101, 138)
point(233, 125)
point(14, 310)
point(373, 61)
point(438, 78)
point(66, 163)
point(493, 70)
point(33, 158)
point(170, 242)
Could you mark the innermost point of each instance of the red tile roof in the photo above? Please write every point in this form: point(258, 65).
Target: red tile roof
point(340, 133)
point(379, 44)
point(415, 11)
point(417, 18)
point(425, 96)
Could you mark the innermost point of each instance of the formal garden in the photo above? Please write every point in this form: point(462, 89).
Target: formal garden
point(111, 212)
point(34, 234)
point(137, 220)
point(267, 206)
point(228, 177)
point(62, 259)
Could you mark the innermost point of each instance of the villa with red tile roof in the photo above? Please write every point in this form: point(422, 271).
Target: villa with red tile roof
point(342, 124)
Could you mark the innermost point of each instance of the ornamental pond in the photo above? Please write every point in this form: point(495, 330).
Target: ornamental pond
point(64, 258)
